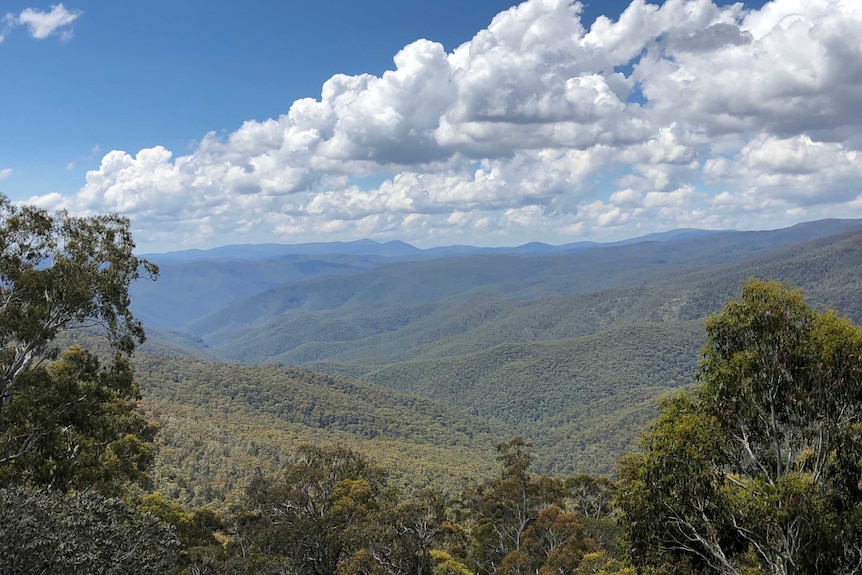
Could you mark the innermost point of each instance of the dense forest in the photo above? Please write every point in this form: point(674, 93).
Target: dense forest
point(498, 424)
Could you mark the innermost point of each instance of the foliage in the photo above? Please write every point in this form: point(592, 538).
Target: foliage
point(67, 424)
point(196, 530)
point(592, 497)
point(331, 511)
point(578, 374)
point(444, 564)
point(601, 563)
point(74, 425)
point(404, 536)
point(519, 525)
point(313, 516)
point(220, 423)
point(58, 272)
point(760, 468)
point(47, 532)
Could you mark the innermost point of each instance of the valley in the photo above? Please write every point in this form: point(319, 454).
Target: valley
point(428, 360)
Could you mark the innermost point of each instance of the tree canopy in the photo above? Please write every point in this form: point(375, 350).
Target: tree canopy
point(67, 423)
point(71, 437)
point(47, 532)
point(758, 469)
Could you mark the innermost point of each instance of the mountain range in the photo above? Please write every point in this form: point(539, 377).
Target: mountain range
point(568, 346)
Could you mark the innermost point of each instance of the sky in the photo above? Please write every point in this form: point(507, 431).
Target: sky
point(434, 122)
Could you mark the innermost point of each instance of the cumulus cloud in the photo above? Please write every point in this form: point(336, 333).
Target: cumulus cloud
point(793, 68)
point(43, 24)
point(684, 114)
point(40, 24)
point(797, 170)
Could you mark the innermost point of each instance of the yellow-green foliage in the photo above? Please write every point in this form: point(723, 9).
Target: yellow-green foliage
point(220, 424)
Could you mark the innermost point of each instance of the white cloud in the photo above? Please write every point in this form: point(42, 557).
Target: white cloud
point(687, 114)
point(792, 67)
point(5, 173)
point(6, 26)
point(40, 24)
point(796, 170)
point(44, 24)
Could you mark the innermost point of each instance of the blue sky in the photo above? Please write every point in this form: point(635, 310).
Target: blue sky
point(135, 75)
point(222, 122)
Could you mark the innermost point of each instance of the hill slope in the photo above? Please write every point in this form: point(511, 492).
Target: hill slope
point(582, 374)
point(220, 424)
point(277, 277)
point(396, 313)
point(187, 290)
point(512, 345)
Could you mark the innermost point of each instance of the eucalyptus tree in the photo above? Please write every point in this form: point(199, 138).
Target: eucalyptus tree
point(519, 521)
point(84, 532)
point(69, 423)
point(759, 469)
point(314, 514)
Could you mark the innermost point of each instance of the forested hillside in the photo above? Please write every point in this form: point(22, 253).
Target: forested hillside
point(426, 300)
point(187, 290)
point(453, 430)
point(190, 289)
point(481, 340)
point(540, 389)
point(220, 424)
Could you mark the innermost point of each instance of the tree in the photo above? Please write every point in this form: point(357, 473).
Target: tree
point(759, 469)
point(506, 509)
point(444, 564)
point(195, 530)
point(47, 532)
point(402, 535)
point(73, 425)
point(592, 497)
point(555, 542)
point(313, 515)
point(58, 420)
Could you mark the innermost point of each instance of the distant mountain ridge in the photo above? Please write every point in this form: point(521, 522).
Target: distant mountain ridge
point(397, 248)
point(433, 282)
point(195, 284)
point(401, 249)
point(364, 247)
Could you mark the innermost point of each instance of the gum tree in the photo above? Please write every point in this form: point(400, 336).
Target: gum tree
point(759, 470)
point(69, 423)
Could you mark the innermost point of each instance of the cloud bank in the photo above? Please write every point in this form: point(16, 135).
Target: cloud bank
point(539, 128)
